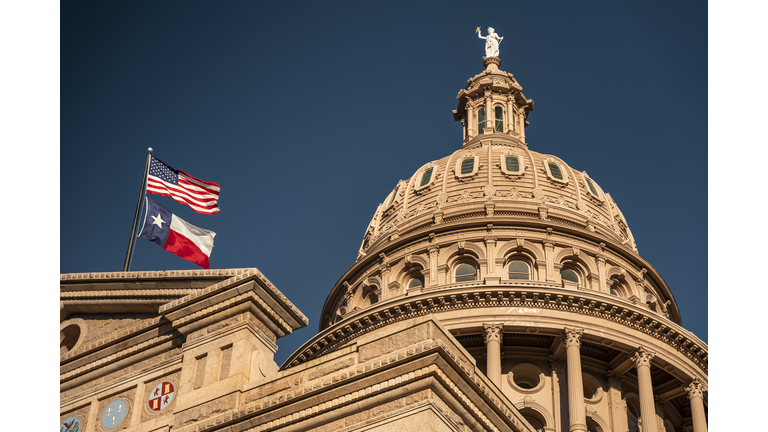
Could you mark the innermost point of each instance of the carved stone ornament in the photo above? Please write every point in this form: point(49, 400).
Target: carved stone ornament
point(492, 332)
point(573, 337)
point(696, 389)
point(442, 198)
point(557, 364)
point(613, 380)
point(489, 191)
point(642, 357)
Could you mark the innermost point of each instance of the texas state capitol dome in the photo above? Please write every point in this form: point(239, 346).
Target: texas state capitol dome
point(532, 267)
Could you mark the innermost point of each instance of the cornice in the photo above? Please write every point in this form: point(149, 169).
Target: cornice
point(463, 297)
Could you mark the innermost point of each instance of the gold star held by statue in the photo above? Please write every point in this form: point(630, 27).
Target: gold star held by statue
point(477, 29)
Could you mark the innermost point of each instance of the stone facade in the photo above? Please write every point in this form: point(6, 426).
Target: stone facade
point(497, 289)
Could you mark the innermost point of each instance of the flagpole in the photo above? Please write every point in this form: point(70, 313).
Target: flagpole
point(143, 192)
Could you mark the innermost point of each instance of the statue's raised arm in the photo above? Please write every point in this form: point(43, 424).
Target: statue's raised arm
point(491, 42)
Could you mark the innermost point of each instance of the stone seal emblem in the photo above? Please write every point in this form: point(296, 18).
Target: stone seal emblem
point(161, 396)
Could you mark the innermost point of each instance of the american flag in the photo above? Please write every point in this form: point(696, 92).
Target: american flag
point(200, 195)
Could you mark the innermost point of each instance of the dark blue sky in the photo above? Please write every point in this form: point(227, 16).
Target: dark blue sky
point(308, 113)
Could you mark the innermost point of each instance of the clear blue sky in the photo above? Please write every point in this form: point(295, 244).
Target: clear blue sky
point(307, 114)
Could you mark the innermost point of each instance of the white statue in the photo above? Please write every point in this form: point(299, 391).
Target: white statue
point(492, 42)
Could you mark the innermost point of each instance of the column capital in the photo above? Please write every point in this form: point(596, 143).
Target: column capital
point(642, 357)
point(433, 250)
point(492, 332)
point(557, 364)
point(695, 389)
point(573, 337)
point(600, 259)
point(613, 380)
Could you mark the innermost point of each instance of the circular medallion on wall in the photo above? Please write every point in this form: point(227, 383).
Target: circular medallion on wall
point(71, 424)
point(161, 396)
point(114, 414)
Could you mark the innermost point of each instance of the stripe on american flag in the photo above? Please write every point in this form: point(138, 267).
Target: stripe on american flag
point(201, 196)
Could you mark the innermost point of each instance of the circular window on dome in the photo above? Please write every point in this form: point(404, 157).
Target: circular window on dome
point(466, 272)
point(526, 378)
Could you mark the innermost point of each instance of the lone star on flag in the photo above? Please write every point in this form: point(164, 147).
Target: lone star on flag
point(158, 220)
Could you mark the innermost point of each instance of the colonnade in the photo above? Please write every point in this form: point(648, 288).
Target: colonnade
point(493, 333)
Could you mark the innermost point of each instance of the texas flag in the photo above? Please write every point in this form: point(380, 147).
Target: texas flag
point(177, 236)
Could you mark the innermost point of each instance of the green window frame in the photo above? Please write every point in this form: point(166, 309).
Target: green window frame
point(513, 164)
point(554, 169)
point(592, 187)
point(426, 177)
point(467, 165)
point(569, 275)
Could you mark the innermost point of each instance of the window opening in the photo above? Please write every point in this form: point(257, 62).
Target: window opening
point(513, 165)
point(519, 270)
point(569, 275)
point(480, 120)
point(555, 170)
point(499, 124)
point(467, 165)
point(466, 272)
point(426, 177)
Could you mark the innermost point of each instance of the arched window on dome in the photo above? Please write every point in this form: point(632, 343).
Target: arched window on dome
point(416, 282)
point(498, 124)
point(519, 270)
point(465, 272)
point(480, 120)
point(569, 275)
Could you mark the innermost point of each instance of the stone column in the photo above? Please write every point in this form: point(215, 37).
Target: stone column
point(642, 358)
point(510, 114)
point(557, 366)
point(492, 336)
point(696, 391)
point(576, 408)
point(490, 250)
point(549, 256)
point(521, 124)
point(617, 418)
point(433, 252)
point(470, 119)
point(488, 109)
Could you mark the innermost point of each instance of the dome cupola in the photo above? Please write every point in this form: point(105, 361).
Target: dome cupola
point(493, 104)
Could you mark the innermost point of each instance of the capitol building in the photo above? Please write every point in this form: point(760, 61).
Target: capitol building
point(497, 288)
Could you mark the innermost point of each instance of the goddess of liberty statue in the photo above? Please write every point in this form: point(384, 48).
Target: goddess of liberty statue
point(492, 42)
